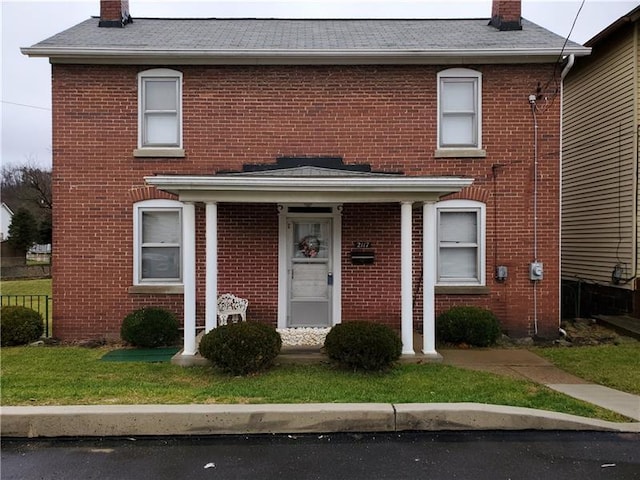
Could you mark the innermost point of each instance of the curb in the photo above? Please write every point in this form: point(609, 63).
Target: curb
point(138, 420)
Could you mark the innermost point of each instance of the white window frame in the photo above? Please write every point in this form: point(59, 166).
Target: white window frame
point(479, 209)
point(464, 74)
point(158, 74)
point(138, 210)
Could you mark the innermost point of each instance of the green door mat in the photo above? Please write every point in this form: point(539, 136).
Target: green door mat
point(140, 355)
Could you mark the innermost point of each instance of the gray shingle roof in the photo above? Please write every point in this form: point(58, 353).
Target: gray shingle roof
point(210, 37)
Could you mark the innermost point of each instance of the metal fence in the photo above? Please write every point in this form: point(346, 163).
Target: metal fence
point(43, 304)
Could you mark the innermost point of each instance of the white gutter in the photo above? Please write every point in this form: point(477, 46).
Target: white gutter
point(350, 188)
point(266, 56)
point(327, 183)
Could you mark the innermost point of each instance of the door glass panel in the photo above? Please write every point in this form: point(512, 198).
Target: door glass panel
point(310, 240)
point(310, 281)
point(309, 287)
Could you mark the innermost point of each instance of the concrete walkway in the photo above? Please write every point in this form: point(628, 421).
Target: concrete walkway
point(134, 420)
point(520, 363)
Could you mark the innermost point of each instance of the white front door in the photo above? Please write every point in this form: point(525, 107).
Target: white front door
point(310, 276)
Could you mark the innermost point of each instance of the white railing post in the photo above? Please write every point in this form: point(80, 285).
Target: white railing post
point(429, 259)
point(211, 278)
point(189, 277)
point(406, 255)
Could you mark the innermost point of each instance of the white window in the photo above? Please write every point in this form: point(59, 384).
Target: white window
point(160, 109)
point(157, 242)
point(461, 241)
point(459, 108)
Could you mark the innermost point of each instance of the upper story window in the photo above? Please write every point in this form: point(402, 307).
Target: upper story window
point(160, 109)
point(461, 242)
point(157, 242)
point(459, 109)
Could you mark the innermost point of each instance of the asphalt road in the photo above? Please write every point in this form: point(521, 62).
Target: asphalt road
point(448, 455)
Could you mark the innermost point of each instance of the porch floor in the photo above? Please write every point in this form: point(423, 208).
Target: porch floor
point(623, 324)
point(311, 355)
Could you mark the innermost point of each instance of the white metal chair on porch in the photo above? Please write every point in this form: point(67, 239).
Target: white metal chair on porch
point(229, 306)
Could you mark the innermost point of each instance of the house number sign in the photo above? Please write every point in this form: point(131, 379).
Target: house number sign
point(361, 244)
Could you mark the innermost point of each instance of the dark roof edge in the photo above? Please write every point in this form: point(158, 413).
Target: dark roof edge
point(630, 17)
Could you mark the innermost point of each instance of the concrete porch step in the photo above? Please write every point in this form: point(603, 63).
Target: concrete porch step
point(623, 324)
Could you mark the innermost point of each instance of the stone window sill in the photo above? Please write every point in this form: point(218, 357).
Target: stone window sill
point(159, 153)
point(157, 289)
point(460, 153)
point(462, 290)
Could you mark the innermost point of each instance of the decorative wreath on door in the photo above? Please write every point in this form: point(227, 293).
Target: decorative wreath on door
point(309, 246)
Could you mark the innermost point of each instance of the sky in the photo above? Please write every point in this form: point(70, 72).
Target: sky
point(26, 83)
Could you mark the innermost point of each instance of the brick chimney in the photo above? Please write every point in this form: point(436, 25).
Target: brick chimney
point(506, 15)
point(114, 13)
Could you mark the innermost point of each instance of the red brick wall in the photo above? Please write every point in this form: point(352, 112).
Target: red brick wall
point(381, 115)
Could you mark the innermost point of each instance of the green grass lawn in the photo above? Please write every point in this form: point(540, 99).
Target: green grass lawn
point(73, 375)
point(26, 287)
point(615, 366)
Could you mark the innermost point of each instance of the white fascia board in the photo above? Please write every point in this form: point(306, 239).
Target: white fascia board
point(330, 183)
point(308, 189)
point(298, 57)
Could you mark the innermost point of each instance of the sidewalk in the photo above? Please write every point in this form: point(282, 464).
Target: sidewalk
point(520, 363)
point(135, 420)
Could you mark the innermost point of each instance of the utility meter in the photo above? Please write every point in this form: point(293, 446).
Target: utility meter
point(535, 271)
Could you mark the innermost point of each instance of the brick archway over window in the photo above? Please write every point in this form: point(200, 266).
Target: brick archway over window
point(138, 194)
point(478, 194)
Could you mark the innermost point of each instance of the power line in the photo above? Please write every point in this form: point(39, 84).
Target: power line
point(25, 105)
point(554, 77)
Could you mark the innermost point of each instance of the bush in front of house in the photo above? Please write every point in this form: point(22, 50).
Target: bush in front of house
point(150, 327)
point(19, 325)
point(471, 325)
point(363, 345)
point(241, 348)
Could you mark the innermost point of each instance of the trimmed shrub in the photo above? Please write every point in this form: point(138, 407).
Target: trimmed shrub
point(471, 325)
point(241, 348)
point(150, 327)
point(363, 345)
point(19, 325)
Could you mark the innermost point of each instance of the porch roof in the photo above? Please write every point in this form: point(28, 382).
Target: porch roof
point(294, 186)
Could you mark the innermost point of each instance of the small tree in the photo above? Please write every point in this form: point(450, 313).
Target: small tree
point(23, 231)
point(45, 230)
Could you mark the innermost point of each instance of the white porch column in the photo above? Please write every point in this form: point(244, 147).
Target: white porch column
point(189, 276)
point(429, 259)
point(211, 266)
point(406, 255)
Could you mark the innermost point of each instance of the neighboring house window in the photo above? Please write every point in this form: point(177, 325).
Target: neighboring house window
point(157, 242)
point(160, 109)
point(461, 242)
point(459, 108)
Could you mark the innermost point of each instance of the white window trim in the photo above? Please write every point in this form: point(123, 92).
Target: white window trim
point(138, 209)
point(455, 150)
point(159, 150)
point(465, 206)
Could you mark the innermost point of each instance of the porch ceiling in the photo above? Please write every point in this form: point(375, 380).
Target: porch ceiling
point(274, 188)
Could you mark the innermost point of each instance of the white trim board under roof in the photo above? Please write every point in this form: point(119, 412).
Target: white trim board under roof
point(310, 41)
point(354, 187)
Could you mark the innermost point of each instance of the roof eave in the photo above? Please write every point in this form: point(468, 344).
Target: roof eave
point(349, 188)
point(299, 57)
point(630, 17)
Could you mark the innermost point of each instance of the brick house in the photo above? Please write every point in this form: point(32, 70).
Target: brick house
point(325, 170)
